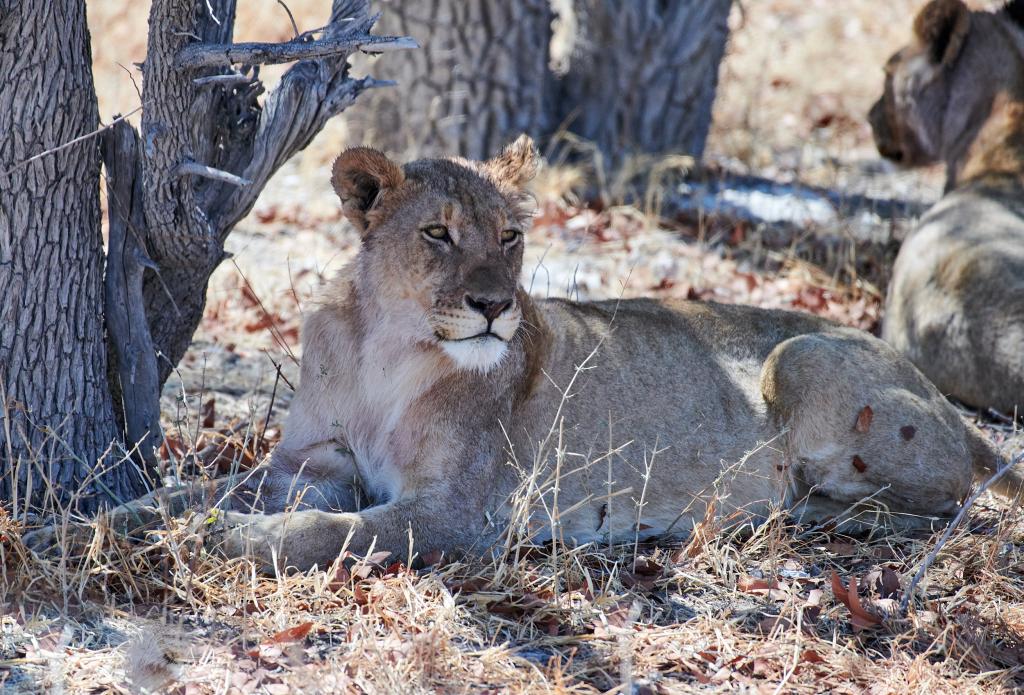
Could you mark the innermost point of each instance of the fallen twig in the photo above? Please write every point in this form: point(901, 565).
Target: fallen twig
point(905, 601)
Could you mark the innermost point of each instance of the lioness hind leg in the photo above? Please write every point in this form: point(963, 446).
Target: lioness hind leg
point(864, 429)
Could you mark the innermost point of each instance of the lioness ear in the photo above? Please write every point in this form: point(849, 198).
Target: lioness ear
point(1015, 10)
point(942, 26)
point(516, 165)
point(360, 176)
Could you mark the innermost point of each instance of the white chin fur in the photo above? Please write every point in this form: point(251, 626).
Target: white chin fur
point(476, 354)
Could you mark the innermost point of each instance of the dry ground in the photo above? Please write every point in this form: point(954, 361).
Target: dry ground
point(758, 610)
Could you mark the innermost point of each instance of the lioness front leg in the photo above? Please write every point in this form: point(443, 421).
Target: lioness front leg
point(408, 527)
point(135, 518)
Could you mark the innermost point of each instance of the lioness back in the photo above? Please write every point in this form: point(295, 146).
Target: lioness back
point(955, 305)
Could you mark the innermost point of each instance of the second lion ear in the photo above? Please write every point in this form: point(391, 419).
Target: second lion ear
point(361, 175)
point(516, 165)
point(942, 26)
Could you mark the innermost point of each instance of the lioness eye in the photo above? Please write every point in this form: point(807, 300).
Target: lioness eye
point(437, 232)
point(509, 235)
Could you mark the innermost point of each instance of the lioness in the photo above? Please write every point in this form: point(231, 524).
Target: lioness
point(955, 304)
point(439, 403)
point(433, 387)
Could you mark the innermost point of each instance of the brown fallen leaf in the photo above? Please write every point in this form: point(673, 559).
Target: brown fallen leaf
point(469, 586)
point(292, 634)
point(864, 418)
point(249, 297)
point(361, 593)
point(881, 582)
point(763, 668)
point(812, 298)
point(773, 589)
point(172, 447)
point(516, 606)
point(636, 581)
point(365, 567)
point(860, 617)
point(342, 578)
point(209, 413)
point(431, 558)
point(623, 614)
point(770, 623)
point(703, 532)
point(811, 657)
point(646, 565)
point(753, 585)
point(811, 610)
point(841, 548)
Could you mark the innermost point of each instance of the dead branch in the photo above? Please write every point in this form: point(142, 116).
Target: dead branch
point(292, 115)
point(197, 169)
point(201, 55)
point(225, 80)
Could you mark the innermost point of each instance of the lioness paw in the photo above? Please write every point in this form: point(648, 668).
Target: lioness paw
point(53, 540)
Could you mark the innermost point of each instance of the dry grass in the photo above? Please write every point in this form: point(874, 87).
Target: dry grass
point(743, 608)
point(750, 607)
point(746, 607)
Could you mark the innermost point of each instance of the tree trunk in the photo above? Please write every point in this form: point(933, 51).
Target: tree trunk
point(188, 217)
point(207, 148)
point(479, 81)
point(58, 415)
point(642, 74)
point(629, 76)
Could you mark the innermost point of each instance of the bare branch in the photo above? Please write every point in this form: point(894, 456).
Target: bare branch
point(291, 17)
point(197, 169)
point(201, 55)
point(229, 79)
point(1010, 465)
point(239, 140)
point(293, 114)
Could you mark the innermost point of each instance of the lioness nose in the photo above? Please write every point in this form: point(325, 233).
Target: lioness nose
point(490, 309)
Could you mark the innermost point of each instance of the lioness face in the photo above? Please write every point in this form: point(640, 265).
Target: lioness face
point(904, 126)
point(907, 120)
point(941, 88)
point(451, 232)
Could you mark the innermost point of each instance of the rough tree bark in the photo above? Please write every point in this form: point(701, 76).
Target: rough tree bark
point(642, 74)
point(629, 76)
point(207, 148)
point(481, 78)
point(56, 407)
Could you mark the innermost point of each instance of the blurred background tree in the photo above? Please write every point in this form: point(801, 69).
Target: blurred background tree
point(614, 77)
